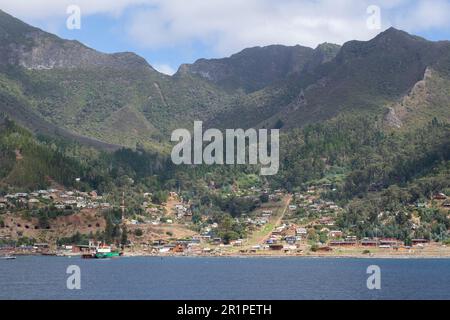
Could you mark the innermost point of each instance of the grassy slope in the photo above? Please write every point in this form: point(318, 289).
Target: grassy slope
point(112, 106)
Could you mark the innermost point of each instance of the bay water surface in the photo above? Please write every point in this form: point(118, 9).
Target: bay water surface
point(180, 278)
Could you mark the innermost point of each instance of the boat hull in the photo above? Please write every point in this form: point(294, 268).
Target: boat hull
point(8, 258)
point(105, 255)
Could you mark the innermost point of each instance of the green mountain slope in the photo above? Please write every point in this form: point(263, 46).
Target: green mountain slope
point(365, 76)
point(82, 91)
point(61, 87)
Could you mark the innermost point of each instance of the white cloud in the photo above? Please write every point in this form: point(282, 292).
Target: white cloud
point(425, 15)
point(230, 25)
point(42, 9)
point(164, 68)
point(227, 26)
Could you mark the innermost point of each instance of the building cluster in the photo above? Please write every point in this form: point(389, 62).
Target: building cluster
point(61, 200)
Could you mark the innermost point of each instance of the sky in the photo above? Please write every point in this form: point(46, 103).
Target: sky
point(168, 33)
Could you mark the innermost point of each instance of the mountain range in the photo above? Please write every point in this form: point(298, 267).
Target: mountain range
point(63, 88)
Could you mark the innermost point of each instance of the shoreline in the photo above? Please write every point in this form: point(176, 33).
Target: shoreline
point(260, 256)
point(291, 256)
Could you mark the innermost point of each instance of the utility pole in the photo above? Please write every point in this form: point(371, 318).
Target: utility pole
point(123, 207)
point(122, 224)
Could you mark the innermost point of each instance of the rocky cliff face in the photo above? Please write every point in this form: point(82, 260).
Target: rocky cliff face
point(391, 119)
point(48, 53)
point(324, 52)
point(428, 98)
point(256, 68)
point(31, 48)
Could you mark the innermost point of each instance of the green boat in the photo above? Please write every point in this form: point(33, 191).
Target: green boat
point(104, 252)
point(106, 255)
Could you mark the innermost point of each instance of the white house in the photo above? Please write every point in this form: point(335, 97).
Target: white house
point(301, 231)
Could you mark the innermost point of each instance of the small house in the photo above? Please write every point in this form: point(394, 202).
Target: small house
point(290, 239)
point(419, 241)
point(369, 243)
point(439, 196)
point(324, 249)
point(335, 234)
point(276, 247)
point(21, 195)
point(178, 249)
point(388, 243)
point(301, 231)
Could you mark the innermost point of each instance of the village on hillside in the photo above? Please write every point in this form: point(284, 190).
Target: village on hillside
point(291, 224)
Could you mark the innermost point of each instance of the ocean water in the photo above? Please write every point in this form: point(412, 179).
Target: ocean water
point(173, 278)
